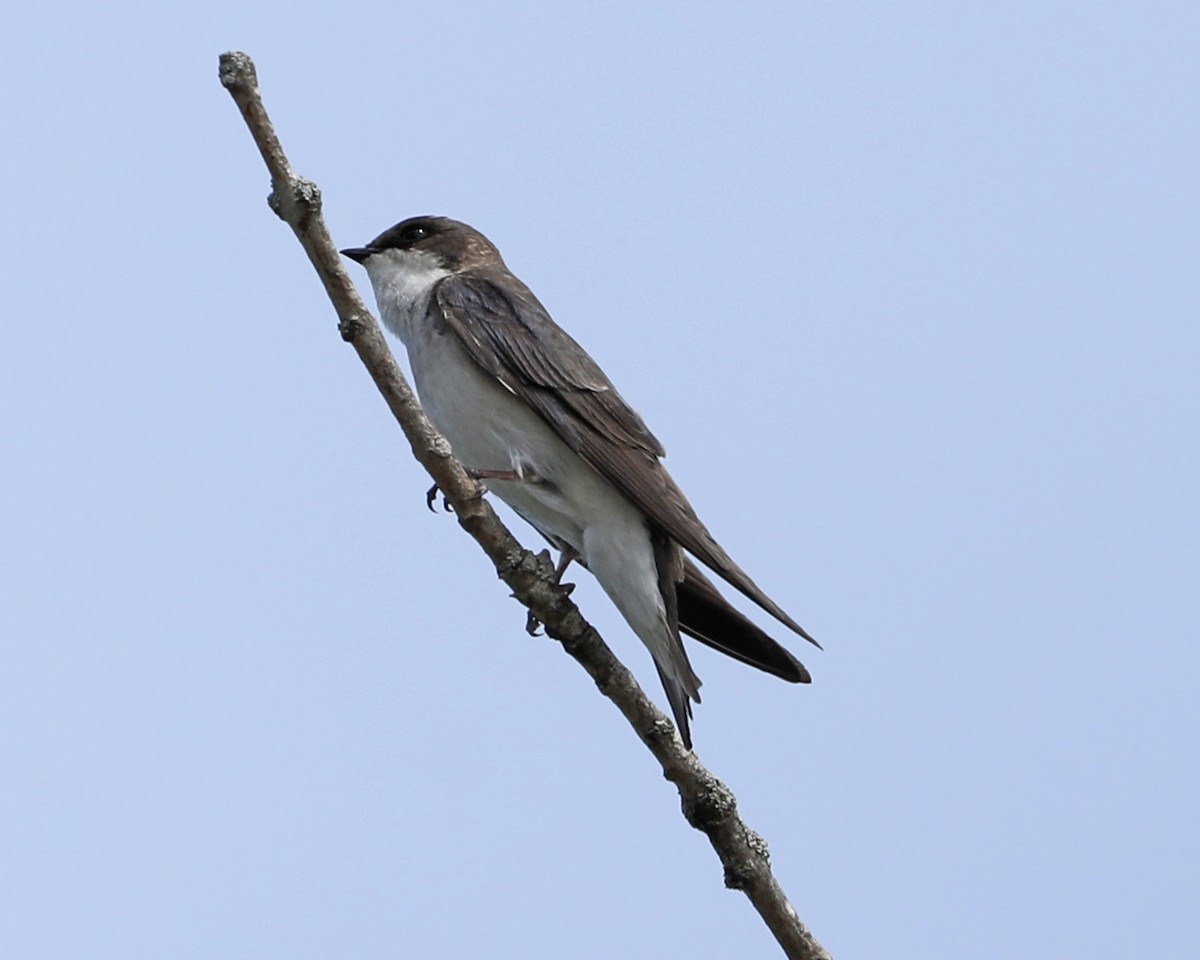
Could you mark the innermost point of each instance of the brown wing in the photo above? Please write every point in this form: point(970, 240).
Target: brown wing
point(510, 335)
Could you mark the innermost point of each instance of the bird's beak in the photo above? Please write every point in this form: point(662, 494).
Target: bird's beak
point(358, 254)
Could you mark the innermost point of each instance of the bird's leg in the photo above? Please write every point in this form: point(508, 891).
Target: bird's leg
point(564, 560)
point(476, 473)
point(525, 475)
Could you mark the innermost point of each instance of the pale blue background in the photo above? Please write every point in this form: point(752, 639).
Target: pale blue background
point(910, 293)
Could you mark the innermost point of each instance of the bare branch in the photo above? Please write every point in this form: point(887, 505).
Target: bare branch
point(708, 804)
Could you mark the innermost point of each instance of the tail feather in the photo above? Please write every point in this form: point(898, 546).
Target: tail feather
point(707, 616)
point(680, 700)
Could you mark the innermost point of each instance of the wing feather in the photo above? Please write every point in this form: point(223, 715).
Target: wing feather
point(510, 335)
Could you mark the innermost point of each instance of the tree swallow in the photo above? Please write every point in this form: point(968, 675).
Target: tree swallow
point(524, 406)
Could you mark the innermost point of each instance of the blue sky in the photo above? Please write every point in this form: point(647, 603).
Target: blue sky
point(910, 292)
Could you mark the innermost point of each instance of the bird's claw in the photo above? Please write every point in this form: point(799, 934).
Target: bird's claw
point(431, 495)
point(533, 626)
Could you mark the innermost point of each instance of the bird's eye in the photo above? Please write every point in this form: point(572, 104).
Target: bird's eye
point(413, 233)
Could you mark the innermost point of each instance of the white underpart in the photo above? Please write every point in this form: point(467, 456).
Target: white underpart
point(491, 429)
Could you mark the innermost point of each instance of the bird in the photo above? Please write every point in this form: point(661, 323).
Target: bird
point(525, 408)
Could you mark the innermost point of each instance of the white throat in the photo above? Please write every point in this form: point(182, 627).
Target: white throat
point(403, 281)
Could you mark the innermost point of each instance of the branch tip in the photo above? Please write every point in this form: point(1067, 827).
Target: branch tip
point(237, 71)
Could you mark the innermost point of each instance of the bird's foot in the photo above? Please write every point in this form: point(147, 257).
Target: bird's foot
point(564, 561)
point(480, 489)
point(533, 625)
